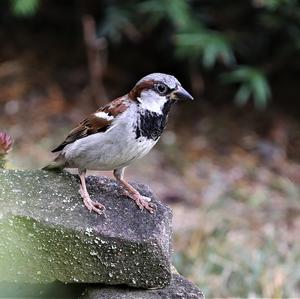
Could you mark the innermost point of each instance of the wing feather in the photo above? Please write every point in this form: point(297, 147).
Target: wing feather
point(94, 124)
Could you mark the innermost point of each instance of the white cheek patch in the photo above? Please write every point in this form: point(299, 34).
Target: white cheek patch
point(104, 115)
point(152, 102)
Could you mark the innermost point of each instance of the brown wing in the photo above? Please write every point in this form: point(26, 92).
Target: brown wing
point(95, 124)
point(115, 107)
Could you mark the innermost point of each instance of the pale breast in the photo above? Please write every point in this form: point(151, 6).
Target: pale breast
point(115, 148)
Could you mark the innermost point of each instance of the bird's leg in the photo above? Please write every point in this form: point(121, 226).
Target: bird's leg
point(140, 200)
point(90, 204)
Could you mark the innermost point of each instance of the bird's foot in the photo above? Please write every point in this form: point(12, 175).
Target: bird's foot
point(90, 204)
point(143, 202)
point(126, 193)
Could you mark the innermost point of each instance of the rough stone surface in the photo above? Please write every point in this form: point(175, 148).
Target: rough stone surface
point(47, 234)
point(179, 288)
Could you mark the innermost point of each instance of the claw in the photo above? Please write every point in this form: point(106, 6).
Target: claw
point(143, 202)
point(90, 204)
point(128, 194)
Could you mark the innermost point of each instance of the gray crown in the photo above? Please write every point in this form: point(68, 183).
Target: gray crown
point(169, 80)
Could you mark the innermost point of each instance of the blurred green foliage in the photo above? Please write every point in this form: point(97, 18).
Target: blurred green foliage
point(252, 81)
point(24, 7)
point(207, 45)
point(245, 41)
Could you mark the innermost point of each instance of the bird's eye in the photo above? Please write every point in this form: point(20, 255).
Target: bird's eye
point(161, 88)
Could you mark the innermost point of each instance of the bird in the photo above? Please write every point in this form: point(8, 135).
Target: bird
point(119, 133)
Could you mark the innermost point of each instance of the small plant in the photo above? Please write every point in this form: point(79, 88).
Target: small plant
point(6, 143)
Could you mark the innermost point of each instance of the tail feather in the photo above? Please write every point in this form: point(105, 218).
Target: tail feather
point(57, 165)
point(53, 167)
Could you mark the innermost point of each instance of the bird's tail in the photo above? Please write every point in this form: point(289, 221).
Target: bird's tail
point(57, 165)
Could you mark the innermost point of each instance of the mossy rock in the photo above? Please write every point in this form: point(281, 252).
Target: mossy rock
point(48, 235)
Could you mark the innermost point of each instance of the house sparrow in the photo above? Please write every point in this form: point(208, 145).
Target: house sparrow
point(120, 133)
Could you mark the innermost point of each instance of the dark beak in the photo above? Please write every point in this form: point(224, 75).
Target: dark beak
point(181, 94)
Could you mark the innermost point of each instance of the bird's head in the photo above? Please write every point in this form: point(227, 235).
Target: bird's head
point(155, 90)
